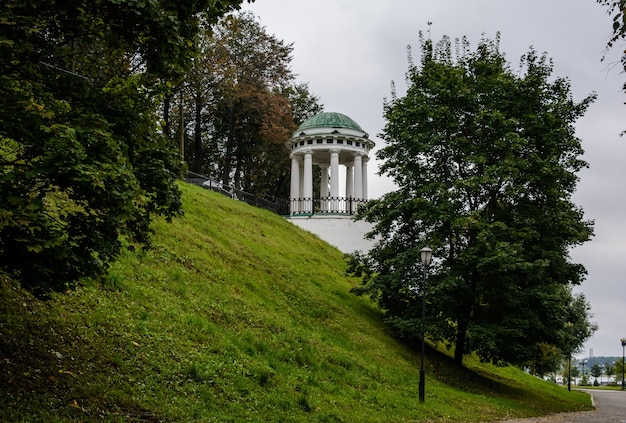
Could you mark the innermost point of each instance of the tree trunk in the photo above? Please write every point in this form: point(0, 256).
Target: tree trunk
point(167, 126)
point(227, 160)
point(230, 147)
point(459, 347)
point(198, 136)
point(238, 166)
point(467, 305)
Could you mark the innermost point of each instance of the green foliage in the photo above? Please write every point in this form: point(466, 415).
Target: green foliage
point(578, 327)
point(617, 8)
point(596, 370)
point(83, 161)
point(619, 369)
point(571, 370)
point(237, 315)
point(242, 103)
point(609, 370)
point(485, 159)
point(304, 104)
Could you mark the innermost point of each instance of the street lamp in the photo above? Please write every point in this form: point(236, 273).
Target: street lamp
point(426, 255)
point(623, 340)
point(569, 371)
point(583, 380)
point(570, 325)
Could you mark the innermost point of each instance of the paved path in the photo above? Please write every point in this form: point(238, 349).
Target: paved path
point(610, 408)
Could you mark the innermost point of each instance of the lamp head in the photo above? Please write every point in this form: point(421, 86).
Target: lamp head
point(426, 255)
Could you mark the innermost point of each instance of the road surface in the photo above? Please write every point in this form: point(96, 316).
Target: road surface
point(610, 408)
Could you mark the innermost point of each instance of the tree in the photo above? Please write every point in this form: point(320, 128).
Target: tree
point(304, 104)
point(617, 8)
point(619, 370)
point(83, 161)
point(578, 327)
point(570, 369)
point(485, 159)
point(596, 371)
point(245, 106)
point(609, 370)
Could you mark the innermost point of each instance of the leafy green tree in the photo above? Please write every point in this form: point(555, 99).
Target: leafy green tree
point(485, 159)
point(245, 105)
point(577, 329)
point(568, 368)
point(584, 380)
point(596, 370)
point(578, 326)
point(303, 103)
point(547, 361)
point(83, 161)
point(609, 370)
point(619, 371)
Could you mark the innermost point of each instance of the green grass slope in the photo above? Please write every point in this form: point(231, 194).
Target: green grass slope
point(235, 315)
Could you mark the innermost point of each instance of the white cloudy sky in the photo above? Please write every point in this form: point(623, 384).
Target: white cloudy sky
point(349, 51)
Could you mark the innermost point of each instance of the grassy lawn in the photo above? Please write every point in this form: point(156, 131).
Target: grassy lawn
point(236, 315)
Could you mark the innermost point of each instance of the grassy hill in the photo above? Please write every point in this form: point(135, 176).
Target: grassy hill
point(235, 315)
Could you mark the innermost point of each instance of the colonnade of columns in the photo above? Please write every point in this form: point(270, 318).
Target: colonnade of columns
point(301, 192)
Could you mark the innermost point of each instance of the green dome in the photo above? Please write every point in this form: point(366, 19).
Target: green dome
point(330, 120)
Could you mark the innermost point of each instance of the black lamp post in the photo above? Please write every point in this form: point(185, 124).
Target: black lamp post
point(623, 340)
point(569, 371)
point(583, 362)
point(426, 255)
point(570, 325)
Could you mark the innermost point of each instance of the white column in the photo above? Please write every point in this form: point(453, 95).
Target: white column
point(334, 173)
point(308, 181)
point(365, 160)
point(324, 181)
point(324, 188)
point(294, 191)
point(358, 176)
point(301, 180)
point(349, 180)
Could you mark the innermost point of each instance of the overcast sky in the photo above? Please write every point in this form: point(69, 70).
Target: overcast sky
point(349, 51)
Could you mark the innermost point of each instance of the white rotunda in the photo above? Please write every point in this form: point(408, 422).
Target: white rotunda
point(328, 140)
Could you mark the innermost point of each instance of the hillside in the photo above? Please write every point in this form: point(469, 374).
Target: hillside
point(235, 315)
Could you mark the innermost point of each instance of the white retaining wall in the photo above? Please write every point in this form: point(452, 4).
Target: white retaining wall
point(340, 231)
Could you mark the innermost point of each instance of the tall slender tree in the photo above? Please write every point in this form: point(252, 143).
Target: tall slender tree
point(485, 159)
